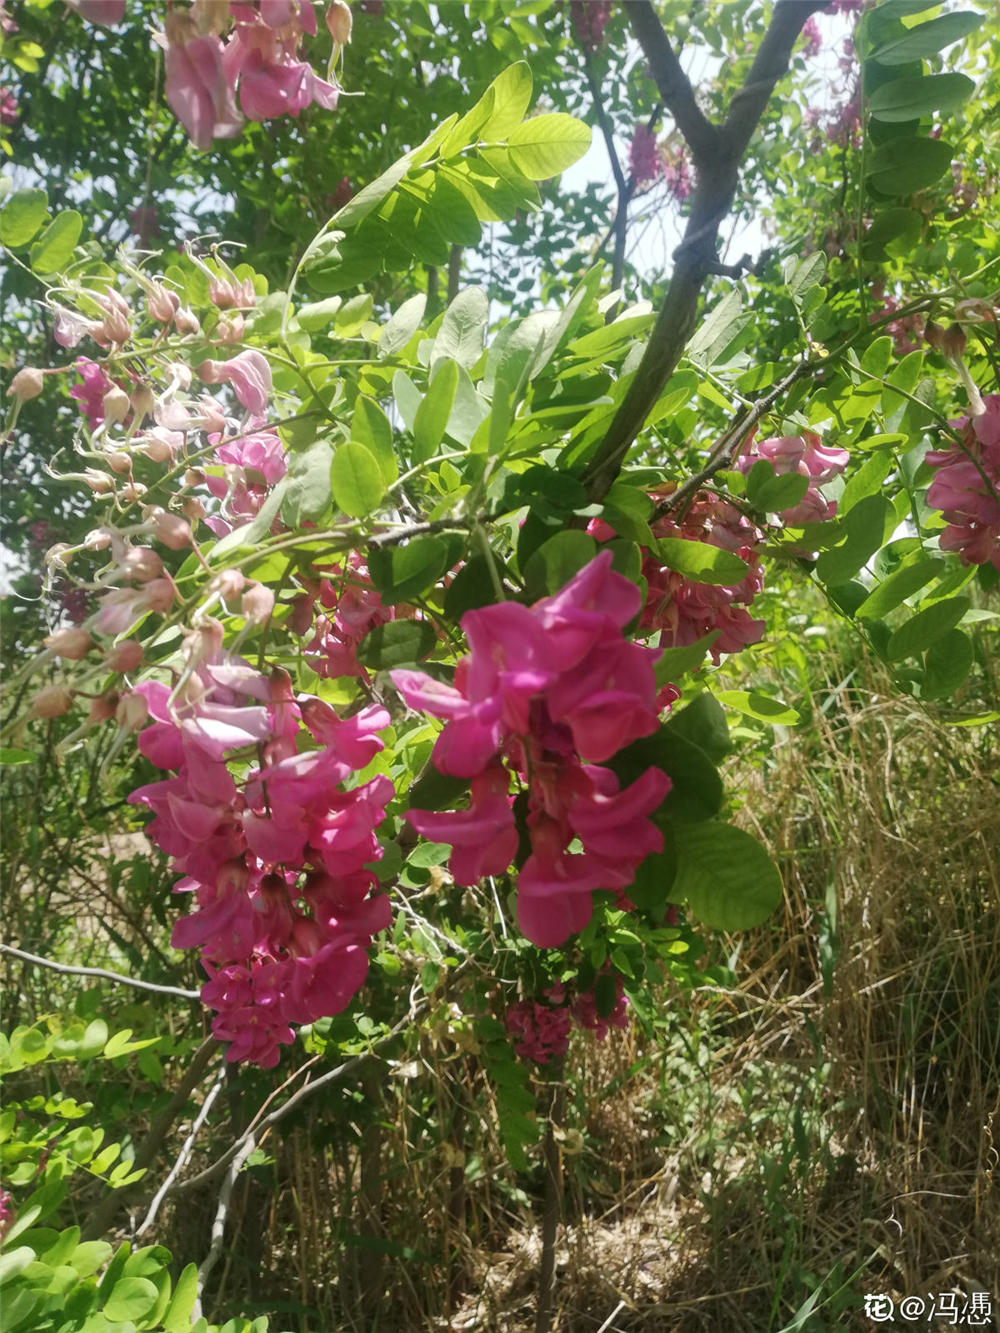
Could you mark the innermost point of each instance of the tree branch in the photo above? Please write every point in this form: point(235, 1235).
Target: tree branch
point(717, 155)
point(101, 973)
point(702, 137)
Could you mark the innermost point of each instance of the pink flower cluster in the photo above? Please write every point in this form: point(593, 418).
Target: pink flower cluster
point(590, 18)
point(643, 156)
point(547, 693)
point(260, 57)
point(684, 611)
point(285, 908)
point(966, 488)
point(541, 1032)
point(803, 454)
point(906, 332)
point(812, 37)
point(676, 173)
point(352, 608)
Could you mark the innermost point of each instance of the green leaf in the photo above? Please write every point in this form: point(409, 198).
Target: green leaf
point(178, 1316)
point(511, 91)
point(401, 572)
point(355, 480)
point(725, 876)
point(434, 411)
point(401, 326)
point(895, 589)
point(925, 628)
point(318, 315)
point(131, 1298)
point(371, 427)
point(462, 328)
point(307, 488)
point(545, 145)
point(701, 562)
point(946, 665)
point(911, 98)
point(801, 274)
point(772, 492)
point(17, 757)
point(427, 854)
point(927, 38)
point(866, 481)
point(864, 529)
point(401, 643)
point(703, 721)
point(54, 248)
point(675, 662)
point(761, 706)
point(554, 563)
point(725, 322)
point(15, 1262)
point(22, 216)
point(904, 166)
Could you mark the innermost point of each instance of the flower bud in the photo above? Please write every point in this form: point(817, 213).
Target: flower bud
point(257, 603)
point(125, 656)
point(119, 462)
point(172, 531)
point(53, 701)
point(132, 712)
point(338, 20)
point(186, 321)
point(194, 509)
point(161, 303)
point(98, 539)
point(26, 384)
point(55, 555)
point(99, 482)
point(143, 401)
point(70, 644)
point(154, 447)
point(133, 491)
point(160, 595)
point(228, 584)
point(115, 326)
point(117, 404)
point(194, 477)
point(231, 329)
point(953, 341)
point(104, 707)
point(141, 563)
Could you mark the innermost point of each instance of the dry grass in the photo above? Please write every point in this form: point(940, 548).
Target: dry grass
point(782, 1137)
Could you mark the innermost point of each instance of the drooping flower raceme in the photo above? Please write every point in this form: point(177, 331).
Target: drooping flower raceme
point(804, 454)
point(547, 694)
point(284, 904)
point(966, 487)
point(541, 1031)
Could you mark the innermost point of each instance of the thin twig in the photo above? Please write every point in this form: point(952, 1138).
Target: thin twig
point(100, 973)
point(183, 1155)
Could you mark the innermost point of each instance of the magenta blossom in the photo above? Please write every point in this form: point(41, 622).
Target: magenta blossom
point(104, 12)
point(284, 904)
point(90, 394)
point(966, 487)
point(547, 693)
point(249, 373)
point(196, 85)
point(643, 155)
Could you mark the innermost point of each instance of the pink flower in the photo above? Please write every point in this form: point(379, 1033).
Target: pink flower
point(197, 90)
point(966, 487)
point(805, 455)
point(90, 394)
point(249, 373)
point(104, 12)
point(643, 156)
point(812, 36)
point(284, 908)
point(542, 689)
